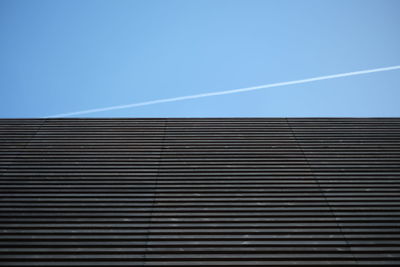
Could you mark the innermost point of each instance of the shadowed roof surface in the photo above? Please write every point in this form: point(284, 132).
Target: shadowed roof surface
point(199, 191)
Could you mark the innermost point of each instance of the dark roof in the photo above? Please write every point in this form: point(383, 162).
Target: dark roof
point(217, 192)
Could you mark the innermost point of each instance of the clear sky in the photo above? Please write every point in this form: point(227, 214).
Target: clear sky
point(66, 56)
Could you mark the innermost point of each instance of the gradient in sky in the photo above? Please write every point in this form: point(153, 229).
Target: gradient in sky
point(65, 56)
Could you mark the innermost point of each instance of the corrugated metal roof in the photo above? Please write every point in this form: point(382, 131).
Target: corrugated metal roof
point(216, 192)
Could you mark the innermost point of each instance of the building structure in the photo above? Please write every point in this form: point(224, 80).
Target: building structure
point(212, 191)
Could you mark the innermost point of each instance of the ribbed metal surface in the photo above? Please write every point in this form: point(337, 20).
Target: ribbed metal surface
point(216, 192)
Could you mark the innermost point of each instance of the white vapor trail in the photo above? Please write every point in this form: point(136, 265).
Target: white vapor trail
point(226, 92)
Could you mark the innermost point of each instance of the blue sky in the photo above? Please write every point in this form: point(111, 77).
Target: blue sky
point(65, 56)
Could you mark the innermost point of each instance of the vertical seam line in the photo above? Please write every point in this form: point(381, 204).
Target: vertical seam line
point(155, 191)
point(320, 189)
point(12, 162)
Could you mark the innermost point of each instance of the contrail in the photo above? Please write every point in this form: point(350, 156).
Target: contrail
point(233, 91)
